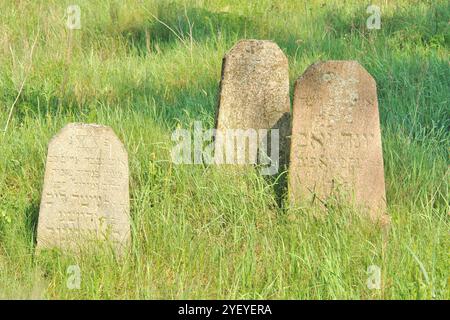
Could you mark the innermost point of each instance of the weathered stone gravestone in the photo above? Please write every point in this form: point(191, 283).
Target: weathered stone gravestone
point(85, 197)
point(254, 92)
point(336, 140)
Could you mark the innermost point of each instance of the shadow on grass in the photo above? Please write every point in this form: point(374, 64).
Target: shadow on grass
point(31, 220)
point(403, 83)
point(177, 22)
point(222, 28)
point(279, 180)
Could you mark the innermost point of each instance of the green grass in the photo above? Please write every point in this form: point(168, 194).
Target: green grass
point(202, 232)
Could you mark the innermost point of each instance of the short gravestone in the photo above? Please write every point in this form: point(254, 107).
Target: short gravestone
point(336, 140)
point(85, 198)
point(254, 90)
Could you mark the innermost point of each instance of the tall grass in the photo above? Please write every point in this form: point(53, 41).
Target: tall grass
point(144, 68)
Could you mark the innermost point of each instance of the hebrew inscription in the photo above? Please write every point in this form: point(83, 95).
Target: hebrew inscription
point(336, 140)
point(85, 196)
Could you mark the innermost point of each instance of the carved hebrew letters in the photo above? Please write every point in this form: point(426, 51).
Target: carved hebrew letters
point(85, 196)
point(336, 140)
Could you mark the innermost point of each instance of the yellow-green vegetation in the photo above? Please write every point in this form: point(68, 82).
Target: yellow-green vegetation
point(146, 67)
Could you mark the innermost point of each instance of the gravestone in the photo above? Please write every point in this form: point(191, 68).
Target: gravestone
point(254, 90)
point(336, 140)
point(85, 198)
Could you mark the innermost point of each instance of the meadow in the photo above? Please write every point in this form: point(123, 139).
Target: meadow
point(147, 67)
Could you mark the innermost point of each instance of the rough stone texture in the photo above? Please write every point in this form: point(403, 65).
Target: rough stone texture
point(336, 140)
point(86, 194)
point(254, 89)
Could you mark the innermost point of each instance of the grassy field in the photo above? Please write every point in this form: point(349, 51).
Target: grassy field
point(146, 67)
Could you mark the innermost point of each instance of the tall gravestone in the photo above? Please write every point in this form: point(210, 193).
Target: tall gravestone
point(336, 140)
point(254, 90)
point(85, 198)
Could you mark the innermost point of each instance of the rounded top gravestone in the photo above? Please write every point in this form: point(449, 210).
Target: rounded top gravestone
point(85, 198)
point(336, 140)
point(254, 94)
point(254, 89)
